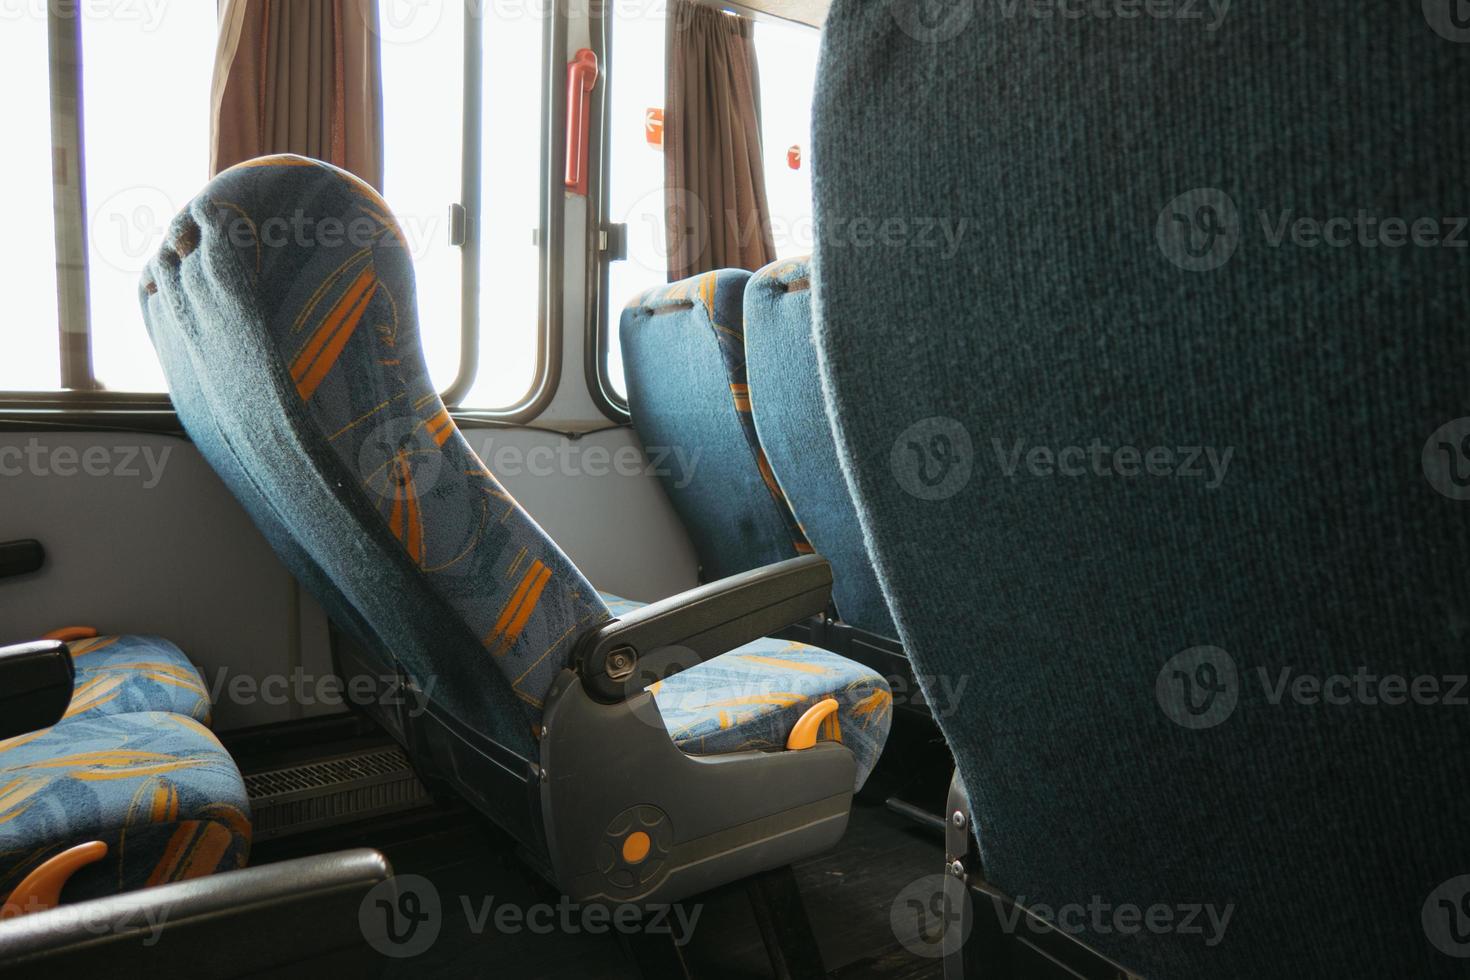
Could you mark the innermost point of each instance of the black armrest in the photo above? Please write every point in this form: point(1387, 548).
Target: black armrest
point(304, 917)
point(35, 686)
point(618, 659)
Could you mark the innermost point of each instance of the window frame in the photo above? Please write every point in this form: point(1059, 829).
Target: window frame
point(81, 399)
point(597, 329)
point(598, 332)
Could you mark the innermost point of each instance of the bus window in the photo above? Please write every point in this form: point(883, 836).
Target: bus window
point(786, 54)
point(32, 358)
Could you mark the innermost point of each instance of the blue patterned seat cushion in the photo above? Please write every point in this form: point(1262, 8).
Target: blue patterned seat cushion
point(157, 788)
point(124, 674)
point(751, 697)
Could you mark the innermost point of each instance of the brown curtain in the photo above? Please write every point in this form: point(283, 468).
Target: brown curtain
point(299, 76)
point(715, 183)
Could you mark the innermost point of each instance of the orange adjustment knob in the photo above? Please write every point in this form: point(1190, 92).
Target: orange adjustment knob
point(804, 732)
point(70, 634)
point(41, 889)
point(636, 847)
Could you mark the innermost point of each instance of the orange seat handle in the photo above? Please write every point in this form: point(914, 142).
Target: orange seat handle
point(804, 732)
point(70, 634)
point(41, 889)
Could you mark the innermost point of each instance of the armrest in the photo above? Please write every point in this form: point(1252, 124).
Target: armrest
point(621, 657)
point(303, 916)
point(35, 686)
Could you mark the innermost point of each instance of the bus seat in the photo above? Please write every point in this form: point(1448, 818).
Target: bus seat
point(94, 802)
point(126, 674)
point(684, 361)
point(282, 306)
point(791, 417)
point(751, 697)
point(1113, 276)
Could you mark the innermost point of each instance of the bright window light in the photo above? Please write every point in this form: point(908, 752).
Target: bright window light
point(145, 99)
point(423, 139)
point(32, 358)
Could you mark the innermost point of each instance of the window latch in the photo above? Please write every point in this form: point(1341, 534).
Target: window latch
point(612, 241)
point(458, 220)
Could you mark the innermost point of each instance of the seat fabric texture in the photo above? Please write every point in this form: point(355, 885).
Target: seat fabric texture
point(791, 417)
point(684, 362)
point(125, 674)
point(282, 307)
point(156, 787)
point(750, 698)
point(1112, 275)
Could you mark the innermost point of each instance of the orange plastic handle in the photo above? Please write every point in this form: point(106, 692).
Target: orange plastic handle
point(41, 889)
point(804, 732)
point(581, 80)
point(70, 634)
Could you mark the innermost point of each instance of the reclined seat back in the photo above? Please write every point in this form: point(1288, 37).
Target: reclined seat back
point(684, 360)
point(1173, 450)
point(791, 417)
point(283, 309)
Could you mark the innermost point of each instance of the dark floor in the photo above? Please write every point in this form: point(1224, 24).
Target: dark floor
point(848, 892)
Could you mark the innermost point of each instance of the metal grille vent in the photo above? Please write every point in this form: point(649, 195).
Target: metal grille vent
point(333, 791)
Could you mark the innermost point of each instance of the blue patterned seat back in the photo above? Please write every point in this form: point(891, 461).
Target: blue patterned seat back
point(791, 417)
point(283, 309)
point(684, 360)
point(1164, 446)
